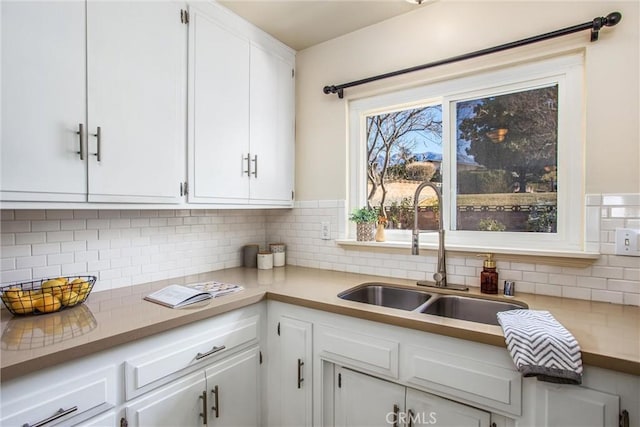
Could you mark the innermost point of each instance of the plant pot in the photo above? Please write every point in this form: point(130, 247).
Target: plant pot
point(364, 231)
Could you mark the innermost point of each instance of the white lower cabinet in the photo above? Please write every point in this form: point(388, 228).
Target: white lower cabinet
point(363, 400)
point(65, 396)
point(568, 405)
point(291, 357)
point(181, 403)
point(223, 394)
point(233, 391)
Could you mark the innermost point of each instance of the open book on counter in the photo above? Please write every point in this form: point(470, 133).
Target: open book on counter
point(176, 296)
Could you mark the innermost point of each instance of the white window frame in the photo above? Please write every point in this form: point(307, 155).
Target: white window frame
point(568, 72)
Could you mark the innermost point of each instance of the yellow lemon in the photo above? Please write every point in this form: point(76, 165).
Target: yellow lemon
point(47, 304)
point(80, 287)
point(69, 298)
point(22, 306)
point(63, 280)
point(12, 293)
point(52, 286)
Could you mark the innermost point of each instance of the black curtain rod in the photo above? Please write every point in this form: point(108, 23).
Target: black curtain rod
point(610, 20)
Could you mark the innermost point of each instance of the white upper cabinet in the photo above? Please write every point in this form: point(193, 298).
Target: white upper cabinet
point(218, 111)
point(136, 82)
point(272, 127)
point(43, 100)
point(131, 58)
point(241, 112)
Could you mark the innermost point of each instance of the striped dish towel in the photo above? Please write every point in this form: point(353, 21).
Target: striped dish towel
point(540, 346)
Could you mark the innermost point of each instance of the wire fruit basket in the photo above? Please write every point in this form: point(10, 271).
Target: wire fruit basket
point(46, 295)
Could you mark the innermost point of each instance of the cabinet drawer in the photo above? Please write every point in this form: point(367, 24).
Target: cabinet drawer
point(66, 402)
point(469, 380)
point(163, 363)
point(366, 352)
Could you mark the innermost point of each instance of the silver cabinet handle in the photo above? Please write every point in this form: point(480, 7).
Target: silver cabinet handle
point(205, 410)
point(396, 412)
point(300, 379)
point(216, 405)
point(81, 140)
point(59, 414)
point(248, 170)
point(210, 352)
point(255, 166)
point(98, 136)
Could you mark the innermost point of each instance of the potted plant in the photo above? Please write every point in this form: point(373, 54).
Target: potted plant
point(365, 219)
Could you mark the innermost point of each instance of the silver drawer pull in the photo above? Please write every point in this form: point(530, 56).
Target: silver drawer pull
point(255, 166)
point(210, 352)
point(59, 414)
point(81, 140)
point(98, 136)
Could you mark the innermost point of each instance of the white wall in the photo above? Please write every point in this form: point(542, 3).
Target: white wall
point(447, 28)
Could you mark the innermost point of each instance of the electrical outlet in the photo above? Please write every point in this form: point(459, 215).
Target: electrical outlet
point(325, 230)
point(627, 242)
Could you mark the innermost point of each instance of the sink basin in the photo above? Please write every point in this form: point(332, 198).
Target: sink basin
point(471, 309)
point(386, 295)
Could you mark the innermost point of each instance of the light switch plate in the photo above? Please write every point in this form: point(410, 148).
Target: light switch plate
point(627, 242)
point(325, 230)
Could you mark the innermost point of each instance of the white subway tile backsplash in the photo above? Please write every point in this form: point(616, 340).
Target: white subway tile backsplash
point(57, 259)
point(45, 249)
point(73, 224)
point(15, 226)
point(7, 239)
point(16, 251)
point(7, 264)
point(30, 238)
point(30, 214)
point(607, 296)
point(125, 247)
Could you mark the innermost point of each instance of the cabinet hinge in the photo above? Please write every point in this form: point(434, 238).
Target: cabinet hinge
point(184, 16)
point(260, 354)
point(624, 418)
point(293, 195)
point(293, 73)
point(124, 422)
point(278, 328)
point(339, 380)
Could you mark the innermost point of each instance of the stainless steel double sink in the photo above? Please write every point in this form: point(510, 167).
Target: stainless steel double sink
point(459, 307)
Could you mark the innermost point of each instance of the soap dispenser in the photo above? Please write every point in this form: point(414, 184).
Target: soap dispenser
point(489, 276)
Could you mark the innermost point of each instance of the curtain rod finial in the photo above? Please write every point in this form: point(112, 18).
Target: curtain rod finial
point(612, 19)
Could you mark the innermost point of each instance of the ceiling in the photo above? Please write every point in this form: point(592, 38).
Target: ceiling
point(304, 23)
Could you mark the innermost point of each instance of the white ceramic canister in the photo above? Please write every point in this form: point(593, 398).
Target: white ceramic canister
point(265, 260)
point(278, 250)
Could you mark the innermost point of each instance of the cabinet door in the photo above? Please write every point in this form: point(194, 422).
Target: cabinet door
point(272, 127)
point(569, 405)
point(425, 409)
point(361, 400)
point(43, 100)
point(218, 112)
point(179, 404)
point(232, 387)
point(136, 97)
point(295, 368)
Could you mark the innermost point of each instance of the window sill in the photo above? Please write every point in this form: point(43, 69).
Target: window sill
point(554, 257)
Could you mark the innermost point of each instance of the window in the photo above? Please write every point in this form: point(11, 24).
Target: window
point(505, 147)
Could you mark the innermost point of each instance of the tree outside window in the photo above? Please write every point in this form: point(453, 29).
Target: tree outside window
point(505, 166)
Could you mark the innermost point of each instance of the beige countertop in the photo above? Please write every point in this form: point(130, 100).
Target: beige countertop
point(609, 334)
